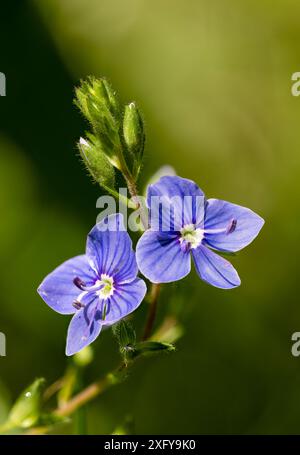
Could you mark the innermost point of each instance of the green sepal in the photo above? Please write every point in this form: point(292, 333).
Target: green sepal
point(113, 100)
point(125, 335)
point(151, 347)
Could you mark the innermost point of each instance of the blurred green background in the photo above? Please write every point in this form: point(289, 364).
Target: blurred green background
point(213, 79)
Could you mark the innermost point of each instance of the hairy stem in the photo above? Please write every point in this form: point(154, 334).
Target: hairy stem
point(132, 188)
point(155, 291)
point(118, 196)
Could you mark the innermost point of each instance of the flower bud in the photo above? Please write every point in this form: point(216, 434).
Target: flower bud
point(97, 162)
point(99, 104)
point(26, 410)
point(133, 132)
point(96, 99)
point(84, 357)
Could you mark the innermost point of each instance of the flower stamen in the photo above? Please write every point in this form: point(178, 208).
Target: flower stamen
point(79, 283)
point(106, 286)
point(231, 227)
point(104, 311)
point(191, 236)
point(78, 305)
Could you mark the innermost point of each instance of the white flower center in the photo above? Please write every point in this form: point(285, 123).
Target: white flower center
point(192, 236)
point(107, 286)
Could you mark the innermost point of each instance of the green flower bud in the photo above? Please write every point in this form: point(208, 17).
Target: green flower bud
point(97, 162)
point(134, 136)
point(26, 410)
point(96, 99)
point(99, 104)
point(84, 357)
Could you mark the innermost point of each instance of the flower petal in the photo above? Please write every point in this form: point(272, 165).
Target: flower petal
point(220, 214)
point(214, 269)
point(109, 249)
point(58, 289)
point(178, 196)
point(161, 259)
point(125, 299)
point(84, 327)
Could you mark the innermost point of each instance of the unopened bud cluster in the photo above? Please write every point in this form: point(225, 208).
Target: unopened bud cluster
point(116, 139)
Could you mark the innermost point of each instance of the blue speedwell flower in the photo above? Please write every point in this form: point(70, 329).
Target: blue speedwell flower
point(196, 227)
point(99, 287)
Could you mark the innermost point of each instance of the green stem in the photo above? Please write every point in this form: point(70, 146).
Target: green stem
point(132, 188)
point(91, 392)
point(155, 291)
point(119, 196)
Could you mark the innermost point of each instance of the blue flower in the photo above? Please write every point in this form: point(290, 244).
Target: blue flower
point(185, 224)
point(99, 287)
